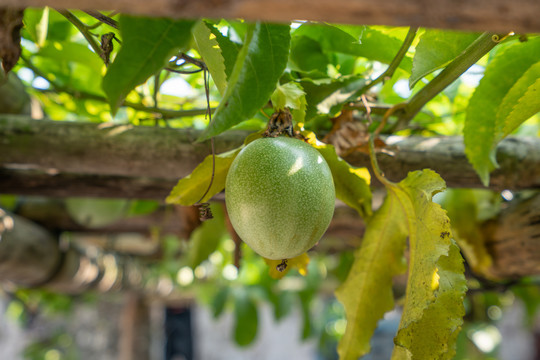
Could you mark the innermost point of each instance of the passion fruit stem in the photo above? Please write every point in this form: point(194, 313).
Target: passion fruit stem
point(280, 123)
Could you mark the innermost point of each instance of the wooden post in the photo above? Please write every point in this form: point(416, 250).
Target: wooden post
point(29, 255)
point(134, 329)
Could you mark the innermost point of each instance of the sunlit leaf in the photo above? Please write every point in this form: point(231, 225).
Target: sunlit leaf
point(436, 49)
point(211, 53)
point(229, 49)
point(521, 102)
point(258, 67)
point(480, 131)
point(299, 262)
point(147, 45)
point(191, 188)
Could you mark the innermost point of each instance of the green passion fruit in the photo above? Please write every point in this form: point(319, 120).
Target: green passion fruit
point(280, 196)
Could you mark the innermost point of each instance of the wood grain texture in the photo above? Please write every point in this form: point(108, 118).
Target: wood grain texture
point(478, 15)
point(40, 157)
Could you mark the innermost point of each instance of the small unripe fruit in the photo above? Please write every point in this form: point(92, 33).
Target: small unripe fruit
point(280, 196)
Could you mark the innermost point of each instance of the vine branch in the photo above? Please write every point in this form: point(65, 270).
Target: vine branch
point(394, 64)
point(474, 52)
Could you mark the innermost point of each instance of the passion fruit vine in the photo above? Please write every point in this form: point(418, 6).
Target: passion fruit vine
point(280, 196)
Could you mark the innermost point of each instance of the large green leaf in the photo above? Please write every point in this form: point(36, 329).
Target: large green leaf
point(435, 289)
point(355, 40)
point(258, 67)
point(520, 103)
point(210, 51)
point(191, 188)
point(147, 45)
point(308, 56)
point(480, 131)
point(433, 310)
point(436, 49)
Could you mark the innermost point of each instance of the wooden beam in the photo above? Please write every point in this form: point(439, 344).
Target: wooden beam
point(48, 158)
point(478, 15)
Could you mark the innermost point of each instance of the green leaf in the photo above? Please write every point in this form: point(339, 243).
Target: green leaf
point(292, 96)
point(229, 49)
point(246, 319)
point(219, 301)
point(206, 238)
point(352, 183)
point(436, 49)
point(94, 213)
point(65, 52)
point(480, 131)
point(407, 212)
point(142, 207)
point(327, 96)
point(147, 45)
point(521, 102)
point(433, 310)
point(258, 67)
point(307, 55)
point(36, 22)
point(210, 51)
point(191, 188)
point(355, 40)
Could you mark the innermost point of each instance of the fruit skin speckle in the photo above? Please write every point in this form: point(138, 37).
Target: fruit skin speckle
point(280, 196)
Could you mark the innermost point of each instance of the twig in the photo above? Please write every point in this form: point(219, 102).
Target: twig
point(394, 64)
point(83, 29)
point(103, 18)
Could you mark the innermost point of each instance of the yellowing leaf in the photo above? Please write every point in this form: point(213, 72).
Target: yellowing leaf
point(300, 262)
point(433, 310)
point(436, 283)
point(191, 188)
point(462, 208)
point(367, 292)
point(352, 184)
